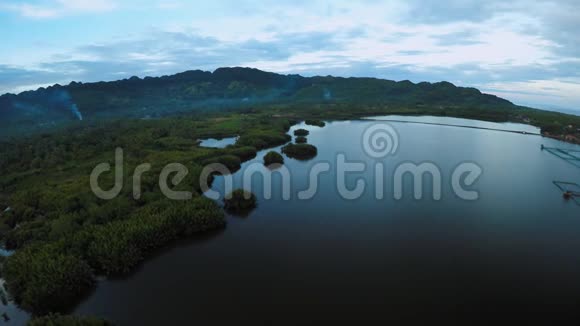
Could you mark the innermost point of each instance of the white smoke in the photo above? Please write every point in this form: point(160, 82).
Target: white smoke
point(327, 94)
point(75, 110)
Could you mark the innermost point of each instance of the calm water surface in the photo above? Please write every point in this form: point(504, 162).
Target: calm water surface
point(515, 250)
point(218, 143)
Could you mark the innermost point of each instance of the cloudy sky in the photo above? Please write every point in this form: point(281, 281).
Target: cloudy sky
point(524, 50)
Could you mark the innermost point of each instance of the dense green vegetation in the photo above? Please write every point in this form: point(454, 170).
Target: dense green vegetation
point(47, 277)
point(232, 162)
point(301, 140)
point(273, 158)
point(59, 320)
point(301, 132)
point(300, 151)
point(240, 202)
point(64, 235)
point(318, 123)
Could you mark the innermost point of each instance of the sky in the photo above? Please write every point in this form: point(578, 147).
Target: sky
point(524, 50)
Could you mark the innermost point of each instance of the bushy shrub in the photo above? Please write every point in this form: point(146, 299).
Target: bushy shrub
point(300, 151)
point(240, 201)
point(301, 132)
point(42, 279)
point(301, 140)
point(233, 163)
point(264, 140)
point(317, 123)
point(245, 153)
point(273, 158)
point(25, 234)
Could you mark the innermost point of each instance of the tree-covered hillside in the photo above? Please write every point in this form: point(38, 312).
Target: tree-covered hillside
point(225, 88)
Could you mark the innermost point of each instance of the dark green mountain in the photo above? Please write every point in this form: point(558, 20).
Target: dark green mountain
point(225, 88)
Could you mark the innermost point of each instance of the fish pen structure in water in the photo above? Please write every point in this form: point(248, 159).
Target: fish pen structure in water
point(570, 190)
point(571, 156)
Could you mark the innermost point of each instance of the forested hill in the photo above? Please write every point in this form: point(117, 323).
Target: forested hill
point(229, 88)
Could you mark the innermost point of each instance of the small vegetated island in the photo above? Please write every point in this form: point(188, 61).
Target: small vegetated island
point(240, 202)
point(317, 123)
point(301, 140)
point(273, 158)
point(300, 151)
point(301, 132)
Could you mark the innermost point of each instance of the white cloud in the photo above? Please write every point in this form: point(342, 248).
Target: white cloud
point(30, 11)
point(553, 92)
point(58, 8)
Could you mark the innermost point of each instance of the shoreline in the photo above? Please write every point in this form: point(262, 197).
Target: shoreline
point(565, 138)
point(459, 126)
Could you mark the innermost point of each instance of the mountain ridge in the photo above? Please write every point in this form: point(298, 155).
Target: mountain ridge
point(227, 87)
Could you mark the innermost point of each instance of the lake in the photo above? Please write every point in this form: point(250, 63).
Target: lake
point(513, 250)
